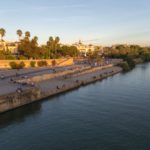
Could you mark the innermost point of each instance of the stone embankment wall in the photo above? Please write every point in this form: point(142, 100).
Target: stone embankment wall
point(59, 62)
point(15, 100)
point(40, 78)
point(74, 72)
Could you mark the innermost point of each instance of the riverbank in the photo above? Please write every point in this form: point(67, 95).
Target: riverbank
point(97, 115)
point(56, 85)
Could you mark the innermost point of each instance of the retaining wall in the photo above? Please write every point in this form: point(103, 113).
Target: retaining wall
point(59, 62)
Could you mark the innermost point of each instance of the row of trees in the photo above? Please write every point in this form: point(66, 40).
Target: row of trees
point(129, 53)
point(18, 32)
point(124, 51)
point(3, 33)
point(121, 51)
point(28, 47)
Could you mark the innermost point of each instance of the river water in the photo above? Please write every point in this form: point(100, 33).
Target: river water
point(113, 114)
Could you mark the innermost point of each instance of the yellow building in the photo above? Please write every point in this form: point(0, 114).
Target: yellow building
point(84, 49)
point(8, 46)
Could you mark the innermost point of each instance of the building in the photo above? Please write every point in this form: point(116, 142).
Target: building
point(8, 46)
point(84, 49)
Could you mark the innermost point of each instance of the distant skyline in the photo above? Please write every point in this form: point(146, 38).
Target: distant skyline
point(103, 22)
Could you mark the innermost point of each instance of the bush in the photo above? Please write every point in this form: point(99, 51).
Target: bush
point(15, 65)
point(53, 62)
point(130, 62)
point(6, 57)
point(146, 57)
point(21, 65)
point(10, 57)
point(124, 66)
point(22, 57)
point(42, 63)
point(33, 64)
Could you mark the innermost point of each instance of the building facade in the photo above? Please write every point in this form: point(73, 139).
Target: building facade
point(8, 46)
point(84, 49)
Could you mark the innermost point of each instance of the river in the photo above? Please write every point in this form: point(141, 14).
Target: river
point(113, 114)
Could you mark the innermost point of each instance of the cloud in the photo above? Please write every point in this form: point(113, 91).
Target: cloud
point(41, 8)
point(8, 10)
point(57, 7)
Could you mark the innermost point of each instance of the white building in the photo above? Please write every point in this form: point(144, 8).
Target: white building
point(8, 46)
point(84, 49)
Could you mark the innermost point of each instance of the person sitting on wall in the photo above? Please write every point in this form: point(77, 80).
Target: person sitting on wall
point(77, 81)
point(14, 81)
point(24, 77)
point(17, 74)
point(11, 79)
point(24, 83)
point(19, 90)
point(54, 71)
point(94, 77)
point(32, 84)
point(2, 77)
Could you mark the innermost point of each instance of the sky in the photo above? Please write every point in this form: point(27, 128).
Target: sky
point(101, 22)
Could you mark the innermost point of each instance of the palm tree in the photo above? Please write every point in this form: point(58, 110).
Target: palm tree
point(35, 40)
point(27, 35)
point(57, 40)
point(51, 39)
point(19, 33)
point(50, 44)
point(2, 33)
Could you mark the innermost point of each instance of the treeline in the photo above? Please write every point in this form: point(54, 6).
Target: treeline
point(125, 51)
point(129, 53)
point(28, 47)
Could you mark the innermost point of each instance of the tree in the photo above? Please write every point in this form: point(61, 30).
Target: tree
point(29, 48)
point(130, 61)
point(56, 44)
point(2, 33)
point(35, 41)
point(19, 33)
point(53, 46)
point(35, 38)
point(57, 40)
point(49, 45)
point(125, 66)
point(51, 39)
point(68, 51)
point(27, 35)
point(50, 42)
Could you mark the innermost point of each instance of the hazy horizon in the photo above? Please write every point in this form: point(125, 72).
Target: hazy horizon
point(102, 22)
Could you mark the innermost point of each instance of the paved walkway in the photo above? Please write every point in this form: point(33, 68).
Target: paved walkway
point(50, 84)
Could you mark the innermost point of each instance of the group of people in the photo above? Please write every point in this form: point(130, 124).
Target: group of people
point(20, 88)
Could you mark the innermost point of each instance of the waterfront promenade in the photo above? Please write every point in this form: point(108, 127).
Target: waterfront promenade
point(32, 85)
point(90, 117)
point(7, 86)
